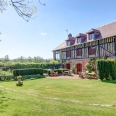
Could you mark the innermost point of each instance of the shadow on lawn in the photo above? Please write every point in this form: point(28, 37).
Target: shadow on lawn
point(108, 81)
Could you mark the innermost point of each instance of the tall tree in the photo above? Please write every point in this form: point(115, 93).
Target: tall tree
point(24, 8)
point(6, 58)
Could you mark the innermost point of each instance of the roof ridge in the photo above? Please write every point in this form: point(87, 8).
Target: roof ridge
point(106, 24)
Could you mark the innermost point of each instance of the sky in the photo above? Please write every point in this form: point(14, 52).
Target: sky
point(41, 35)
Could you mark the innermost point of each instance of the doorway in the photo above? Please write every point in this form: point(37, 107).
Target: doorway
point(79, 68)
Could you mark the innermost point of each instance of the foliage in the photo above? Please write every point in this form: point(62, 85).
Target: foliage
point(53, 62)
point(19, 77)
point(31, 71)
point(18, 65)
point(113, 69)
point(106, 69)
point(89, 67)
point(73, 69)
point(24, 8)
point(5, 69)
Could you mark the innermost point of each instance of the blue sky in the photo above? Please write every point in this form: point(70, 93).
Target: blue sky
point(41, 35)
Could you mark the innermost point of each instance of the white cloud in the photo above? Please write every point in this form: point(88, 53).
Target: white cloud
point(43, 33)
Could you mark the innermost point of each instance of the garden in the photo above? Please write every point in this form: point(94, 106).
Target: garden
point(26, 92)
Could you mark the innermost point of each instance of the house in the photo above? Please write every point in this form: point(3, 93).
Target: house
point(95, 43)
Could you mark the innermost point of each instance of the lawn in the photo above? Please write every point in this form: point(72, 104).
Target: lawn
point(58, 97)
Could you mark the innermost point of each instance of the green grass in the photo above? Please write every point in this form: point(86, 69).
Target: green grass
point(57, 97)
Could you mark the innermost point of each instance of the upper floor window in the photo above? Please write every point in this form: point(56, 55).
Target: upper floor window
point(79, 52)
point(78, 40)
point(92, 50)
point(91, 36)
point(72, 42)
point(68, 53)
point(68, 43)
point(83, 39)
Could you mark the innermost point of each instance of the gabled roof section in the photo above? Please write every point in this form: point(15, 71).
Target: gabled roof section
point(80, 35)
point(61, 46)
point(92, 30)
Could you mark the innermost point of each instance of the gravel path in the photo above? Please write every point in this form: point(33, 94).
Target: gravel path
point(74, 76)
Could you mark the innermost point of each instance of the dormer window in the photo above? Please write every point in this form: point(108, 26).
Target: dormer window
point(91, 36)
point(68, 43)
point(72, 42)
point(81, 38)
point(78, 40)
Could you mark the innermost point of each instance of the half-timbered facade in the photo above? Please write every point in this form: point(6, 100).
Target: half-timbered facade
point(96, 43)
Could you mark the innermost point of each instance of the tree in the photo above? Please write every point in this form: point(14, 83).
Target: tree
point(6, 58)
point(24, 8)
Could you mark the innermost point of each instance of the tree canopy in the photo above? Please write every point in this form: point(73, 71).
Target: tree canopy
point(24, 8)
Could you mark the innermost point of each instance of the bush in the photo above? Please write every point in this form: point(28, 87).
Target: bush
point(73, 69)
point(89, 67)
point(31, 71)
point(5, 69)
point(106, 69)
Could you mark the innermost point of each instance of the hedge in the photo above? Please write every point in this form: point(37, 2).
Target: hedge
point(30, 65)
point(106, 69)
point(30, 71)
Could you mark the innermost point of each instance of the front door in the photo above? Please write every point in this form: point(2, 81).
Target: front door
point(68, 66)
point(79, 68)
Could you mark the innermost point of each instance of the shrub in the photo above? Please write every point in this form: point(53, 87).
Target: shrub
point(106, 69)
point(19, 77)
point(5, 69)
point(100, 69)
point(73, 69)
point(89, 67)
point(31, 71)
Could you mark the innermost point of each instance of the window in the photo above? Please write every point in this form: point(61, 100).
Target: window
point(92, 50)
point(68, 43)
point(78, 40)
point(68, 53)
point(57, 55)
point(83, 39)
point(72, 42)
point(79, 52)
point(91, 36)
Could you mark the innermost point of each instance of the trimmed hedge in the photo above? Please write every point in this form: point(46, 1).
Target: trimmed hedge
point(106, 69)
point(30, 65)
point(30, 71)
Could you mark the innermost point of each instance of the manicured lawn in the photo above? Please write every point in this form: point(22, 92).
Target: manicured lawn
point(57, 97)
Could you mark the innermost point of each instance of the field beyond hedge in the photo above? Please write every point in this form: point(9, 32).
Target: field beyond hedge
point(58, 97)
